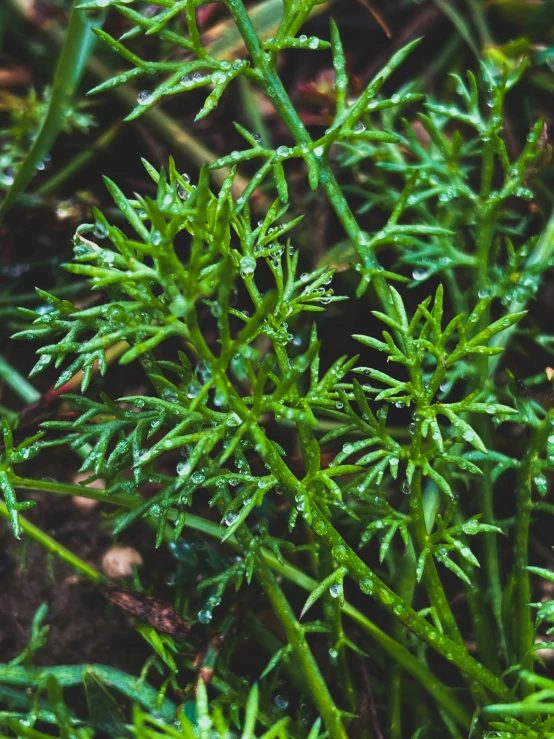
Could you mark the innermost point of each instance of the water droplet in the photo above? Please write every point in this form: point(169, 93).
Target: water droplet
point(155, 238)
point(358, 127)
point(406, 487)
point(335, 591)
point(313, 43)
point(46, 163)
point(412, 429)
point(366, 586)
point(232, 516)
point(283, 151)
point(100, 230)
point(541, 483)
point(205, 617)
point(183, 468)
point(178, 306)
point(333, 654)
point(198, 477)
point(257, 137)
point(303, 38)
point(192, 390)
point(247, 266)
point(282, 702)
point(144, 97)
point(419, 274)
point(214, 601)
point(156, 510)
point(8, 176)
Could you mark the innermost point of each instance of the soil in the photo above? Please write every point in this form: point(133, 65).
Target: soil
point(79, 630)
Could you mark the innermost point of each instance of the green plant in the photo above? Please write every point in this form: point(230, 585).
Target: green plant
point(211, 303)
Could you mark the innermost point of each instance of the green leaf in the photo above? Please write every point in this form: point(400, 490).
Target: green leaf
point(335, 578)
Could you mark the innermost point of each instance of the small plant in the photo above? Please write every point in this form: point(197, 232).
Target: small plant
point(210, 301)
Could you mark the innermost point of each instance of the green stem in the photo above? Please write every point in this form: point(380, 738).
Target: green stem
point(275, 90)
point(80, 160)
point(431, 579)
point(540, 255)
point(333, 616)
point(294, 632)
point(476, 10)
point(17, 382)
point(53, 546)
point(524, 622)
point(296, 638)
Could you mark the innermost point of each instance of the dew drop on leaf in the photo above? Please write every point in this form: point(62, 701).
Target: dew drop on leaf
point(281, 702)
point(204, 616)
point(247, 266)
point(144, 97)
point(419, 274)
point(100, 230)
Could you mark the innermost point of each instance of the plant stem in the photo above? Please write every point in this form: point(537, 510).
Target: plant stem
point(80, 161)
point(54, 547)
point(524, 622)
point(275, 90)
point(432, 581)
point(294, 631)
point(485, 233)
point(333, 617)
point(17, 382)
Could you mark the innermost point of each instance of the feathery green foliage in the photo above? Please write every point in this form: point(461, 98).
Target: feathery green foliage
point(210, 302)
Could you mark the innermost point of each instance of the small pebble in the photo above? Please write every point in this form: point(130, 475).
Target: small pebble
point(118, 562)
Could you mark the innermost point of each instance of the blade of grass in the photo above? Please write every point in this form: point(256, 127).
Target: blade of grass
point(17, 382)
point(179, 141)
point(80, 160)
point(75, 53)
point(459, 22)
